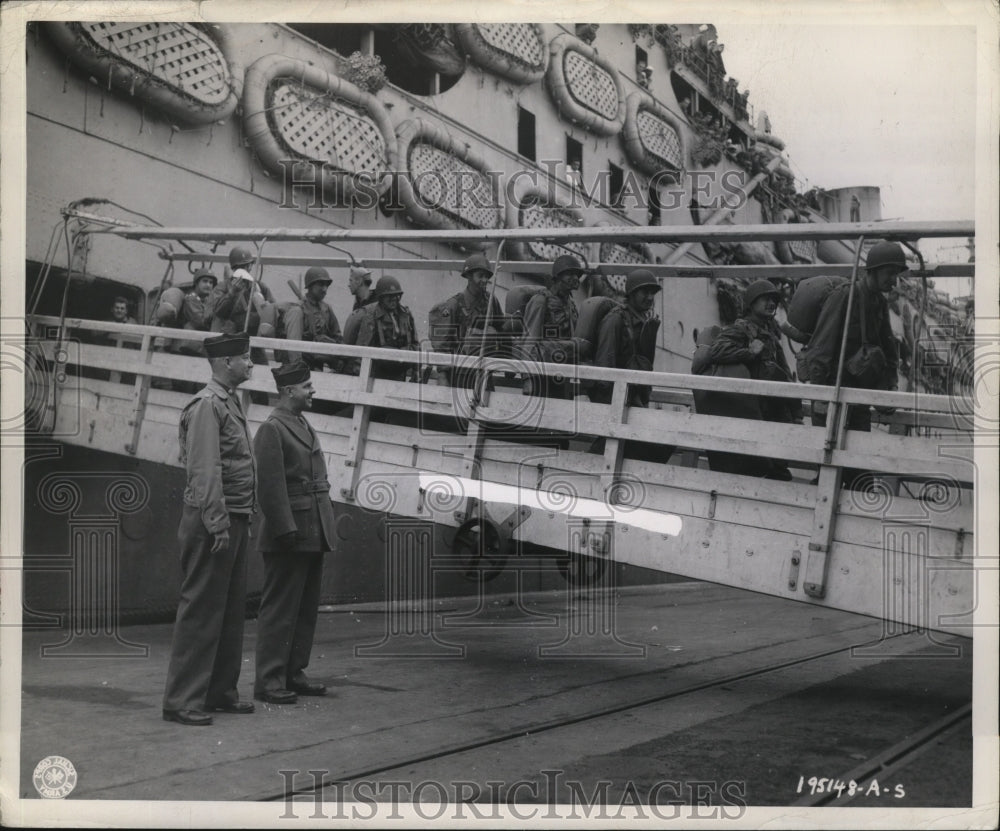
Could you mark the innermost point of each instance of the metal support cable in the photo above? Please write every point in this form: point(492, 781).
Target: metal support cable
point(835, 405)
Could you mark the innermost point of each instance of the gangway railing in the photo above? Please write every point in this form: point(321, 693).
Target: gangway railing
point(474, 453)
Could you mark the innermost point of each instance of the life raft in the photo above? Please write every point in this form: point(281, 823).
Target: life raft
point(435, 192)
point(348, 147)
point(188, 71)
point(516, 51)
point(653, 137)
point(585, 86)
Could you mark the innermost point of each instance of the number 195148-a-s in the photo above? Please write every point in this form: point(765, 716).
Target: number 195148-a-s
point(821, 785)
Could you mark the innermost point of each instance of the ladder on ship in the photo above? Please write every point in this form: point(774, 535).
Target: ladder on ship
point(518, 469)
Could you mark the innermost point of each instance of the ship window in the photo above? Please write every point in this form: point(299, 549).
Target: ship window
point(642, 70)
point(526, 133)
point(574, 153)
point(616, 181)
point(343, 38)
point(405, 67)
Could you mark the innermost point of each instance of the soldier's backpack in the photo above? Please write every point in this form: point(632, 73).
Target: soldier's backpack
point(588, 324)
point(593, 310)
point(517, 300)
point(272, 325)
point(808, 300)
point(169, 307)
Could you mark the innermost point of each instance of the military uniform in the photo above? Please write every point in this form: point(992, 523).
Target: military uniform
point(732, 347)
point(548, 318)
point(196, 313)
point(622, 340)
point(228, 303)
point(313, 321)
point(450, 323)
point(297, 499)
point(618, 347)
point(220, 494)
point(453, 317)
point(824, 347)
point(397, 330)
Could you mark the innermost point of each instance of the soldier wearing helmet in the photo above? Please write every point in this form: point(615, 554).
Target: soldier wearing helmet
point(457, 324)
point(196, 312)
point(883, 265)
point(238, 292)
point(623, 337)
point(550, 319)
point(389, 324)
point(313, 320)
point(754, 341)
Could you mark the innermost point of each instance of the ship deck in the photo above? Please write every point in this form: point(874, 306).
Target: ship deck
point(553, 697)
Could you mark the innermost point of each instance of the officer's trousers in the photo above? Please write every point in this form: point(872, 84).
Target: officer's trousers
point(289, 607)
point(207, 651)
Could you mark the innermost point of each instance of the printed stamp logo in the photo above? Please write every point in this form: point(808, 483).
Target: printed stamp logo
point(54, 777)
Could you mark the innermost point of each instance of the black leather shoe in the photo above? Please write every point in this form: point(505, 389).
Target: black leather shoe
point(307, 688)
point(193, 718)
point(240, 708)
point(277, 696)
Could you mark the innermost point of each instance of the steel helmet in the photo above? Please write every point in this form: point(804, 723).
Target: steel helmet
point(316, 274)
point(760, 288)
point(387, 285)
point(886, 253)
point(204, 272)
point(640, 278)
point(240, 257)
point(476, 262)
point(564, 263)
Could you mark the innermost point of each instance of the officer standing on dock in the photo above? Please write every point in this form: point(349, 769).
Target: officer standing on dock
point(219, 497)
point(314, 320)
point(297, 530)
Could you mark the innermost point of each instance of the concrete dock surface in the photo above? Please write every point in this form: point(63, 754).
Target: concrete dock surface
point(544, 698)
